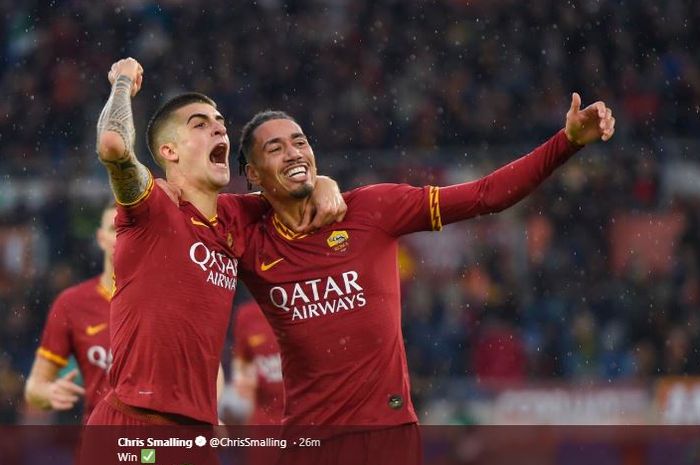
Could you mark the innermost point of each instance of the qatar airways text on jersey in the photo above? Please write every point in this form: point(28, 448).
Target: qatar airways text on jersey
point(319, 297)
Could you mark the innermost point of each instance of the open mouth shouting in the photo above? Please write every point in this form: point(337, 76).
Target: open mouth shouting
point(219, 155)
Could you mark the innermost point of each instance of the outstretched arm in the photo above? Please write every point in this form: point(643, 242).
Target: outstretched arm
point(116, 134)
point(514, 181)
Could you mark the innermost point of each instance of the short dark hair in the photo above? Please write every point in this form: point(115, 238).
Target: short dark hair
point(246, 143)
point(160, 117)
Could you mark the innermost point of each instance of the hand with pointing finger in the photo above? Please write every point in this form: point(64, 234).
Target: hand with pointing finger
point(64, 393)
point(590, 124)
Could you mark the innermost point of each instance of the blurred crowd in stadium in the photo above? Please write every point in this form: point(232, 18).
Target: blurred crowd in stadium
point(596, 277)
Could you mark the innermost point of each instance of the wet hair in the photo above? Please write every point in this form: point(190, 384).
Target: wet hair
point(162, 115)
point(245, 145)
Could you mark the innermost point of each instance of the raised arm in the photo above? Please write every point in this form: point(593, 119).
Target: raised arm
point(514, 181)
point(116, 134)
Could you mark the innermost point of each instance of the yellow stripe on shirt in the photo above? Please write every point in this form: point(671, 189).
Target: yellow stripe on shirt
point(143, 196)
point(104, 292)
point(50, 356)
point(434, 200)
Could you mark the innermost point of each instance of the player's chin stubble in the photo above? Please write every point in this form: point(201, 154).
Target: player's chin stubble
point(303, 192)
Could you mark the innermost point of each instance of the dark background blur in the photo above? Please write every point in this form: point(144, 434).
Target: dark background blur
point(592, 281)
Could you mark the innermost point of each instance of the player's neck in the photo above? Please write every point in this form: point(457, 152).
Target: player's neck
point(199, 194)
point(203, 201)
point(290, 211)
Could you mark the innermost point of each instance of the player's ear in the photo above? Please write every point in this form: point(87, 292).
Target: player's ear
point(167, 152)
point(252, 174)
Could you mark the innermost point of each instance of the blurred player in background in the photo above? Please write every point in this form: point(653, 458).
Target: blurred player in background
point(333, 297)
point(78, 325)
point(175, 264)
point(257, 369)
point(256, 394)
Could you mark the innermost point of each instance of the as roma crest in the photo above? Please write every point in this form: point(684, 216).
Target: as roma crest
point(339, 241)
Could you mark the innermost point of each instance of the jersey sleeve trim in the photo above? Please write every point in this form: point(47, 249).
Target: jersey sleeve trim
point(144, 195)
point(104, 292)
point(434, 200)
point(50, 356)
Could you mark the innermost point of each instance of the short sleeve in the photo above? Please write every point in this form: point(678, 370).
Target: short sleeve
point(140, 211)
point(56, 341)
point(397, 208)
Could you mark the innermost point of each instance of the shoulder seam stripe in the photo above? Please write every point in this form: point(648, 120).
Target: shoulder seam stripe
point(47, 354)
point(143, 196)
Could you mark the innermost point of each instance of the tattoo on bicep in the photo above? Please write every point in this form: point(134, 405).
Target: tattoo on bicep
point(128, 177)
point(116, 115)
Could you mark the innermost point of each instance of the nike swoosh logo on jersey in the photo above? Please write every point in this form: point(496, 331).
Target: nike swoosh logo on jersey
point(92, 330)
point(266, 266)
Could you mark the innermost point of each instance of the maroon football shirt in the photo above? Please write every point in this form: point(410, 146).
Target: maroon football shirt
point(175, 278)
point(77, 324)
point(333, 300)
point(254, 342)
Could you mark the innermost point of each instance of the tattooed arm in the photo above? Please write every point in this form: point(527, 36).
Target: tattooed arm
point(116, 134)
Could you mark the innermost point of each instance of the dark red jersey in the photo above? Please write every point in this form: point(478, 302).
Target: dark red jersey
point(333, 300)
point(175, 276)
point(254, 342)
point(78, 325)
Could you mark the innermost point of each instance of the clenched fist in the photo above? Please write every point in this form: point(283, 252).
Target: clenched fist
point(130, 68)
